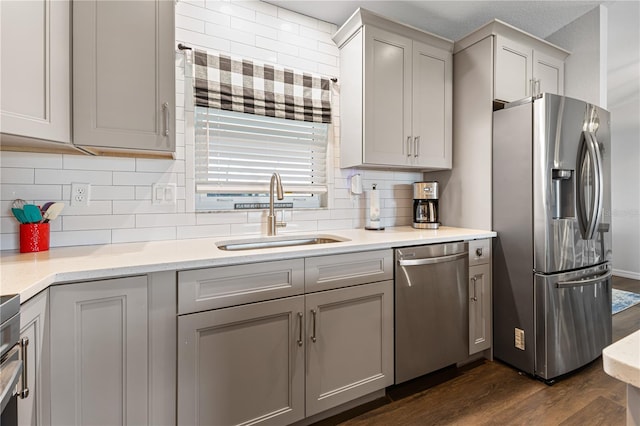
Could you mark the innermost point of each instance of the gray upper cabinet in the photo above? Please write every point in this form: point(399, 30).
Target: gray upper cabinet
point(396, 95)
point(124, 76)
point(35, 78)
point(522, 71)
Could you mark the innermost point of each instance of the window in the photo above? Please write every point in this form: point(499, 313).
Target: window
point(252, 120)
point(236, 154)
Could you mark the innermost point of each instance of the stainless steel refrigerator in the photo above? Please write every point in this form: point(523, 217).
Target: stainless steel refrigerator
point(552, 212)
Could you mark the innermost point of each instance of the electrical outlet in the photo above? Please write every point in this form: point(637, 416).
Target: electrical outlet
point(80, 194)
point(519, 338)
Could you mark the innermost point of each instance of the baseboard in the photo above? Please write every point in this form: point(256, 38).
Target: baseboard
point(626, 274)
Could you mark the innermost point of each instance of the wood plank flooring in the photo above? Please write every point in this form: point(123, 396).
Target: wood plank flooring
point(493, 393)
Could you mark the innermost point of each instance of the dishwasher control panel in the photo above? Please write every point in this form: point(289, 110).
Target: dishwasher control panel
point(479, 251)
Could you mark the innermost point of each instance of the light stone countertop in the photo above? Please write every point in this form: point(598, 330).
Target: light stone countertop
point(30, 273)
point(622, 359)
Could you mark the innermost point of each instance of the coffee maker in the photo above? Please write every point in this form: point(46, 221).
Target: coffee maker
point(425, 205)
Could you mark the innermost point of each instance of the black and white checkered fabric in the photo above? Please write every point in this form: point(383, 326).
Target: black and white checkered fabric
point(240, 85)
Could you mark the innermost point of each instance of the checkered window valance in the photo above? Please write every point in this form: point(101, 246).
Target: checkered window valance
point(239, 85)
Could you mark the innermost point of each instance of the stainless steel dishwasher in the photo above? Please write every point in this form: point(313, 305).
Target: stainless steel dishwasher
point(431, 308)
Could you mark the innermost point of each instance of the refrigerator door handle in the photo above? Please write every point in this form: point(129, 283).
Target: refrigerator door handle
point(580, 283)
point(589, 147)
point(599, 182)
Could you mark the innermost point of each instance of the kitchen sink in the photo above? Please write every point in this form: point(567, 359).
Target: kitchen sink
point(282, 241)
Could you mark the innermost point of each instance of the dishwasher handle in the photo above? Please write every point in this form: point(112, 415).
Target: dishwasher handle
point(432, 260)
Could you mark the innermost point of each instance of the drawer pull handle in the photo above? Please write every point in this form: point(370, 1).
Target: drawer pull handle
point(313, 336)
point(301, 325)
point(475, 281)
point(24, 392)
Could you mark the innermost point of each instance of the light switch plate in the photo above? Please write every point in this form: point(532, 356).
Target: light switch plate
point(163, 193)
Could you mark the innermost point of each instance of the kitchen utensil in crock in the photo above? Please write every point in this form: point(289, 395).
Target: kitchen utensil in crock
point(52, 212)
point(32, 213)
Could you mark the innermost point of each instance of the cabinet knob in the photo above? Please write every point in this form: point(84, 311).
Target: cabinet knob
point(479, 252)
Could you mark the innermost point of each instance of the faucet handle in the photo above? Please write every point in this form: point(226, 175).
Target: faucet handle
point(281, 224)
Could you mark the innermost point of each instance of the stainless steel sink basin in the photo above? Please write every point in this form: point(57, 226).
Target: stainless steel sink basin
point(281, 241)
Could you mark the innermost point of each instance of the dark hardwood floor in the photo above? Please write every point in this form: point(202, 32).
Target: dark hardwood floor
point(493, 393)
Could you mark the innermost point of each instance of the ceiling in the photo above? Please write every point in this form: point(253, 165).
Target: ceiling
point(452, 19)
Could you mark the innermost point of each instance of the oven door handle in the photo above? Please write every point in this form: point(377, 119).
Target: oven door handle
point(9, 376)
point(432, 260)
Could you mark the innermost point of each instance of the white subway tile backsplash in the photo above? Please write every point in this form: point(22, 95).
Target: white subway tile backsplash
point(327, 27)
point(30, 192)
point(201, 13)
point(94, 208)
point(321, 58)
point(189, 23)
point(97, 222)
point(246, 51)
point(229, 8)
point(16, 175)
point(139, 207)
point(30, 160)
point(49, 177)
point(276, 46)
point(275, 22)
point(99, 192)
point(80, 238)
point(121, 210)
point(253, 27)
point(155, 220)
point(202, 41)
point(143, 178)
point(297, 63)
point(230, 34)
point(297, 18)
point(220, 218)
point(85, 162)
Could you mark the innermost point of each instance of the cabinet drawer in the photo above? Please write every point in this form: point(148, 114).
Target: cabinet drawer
point(214, 288)
point(341, 270)
point(479, 252)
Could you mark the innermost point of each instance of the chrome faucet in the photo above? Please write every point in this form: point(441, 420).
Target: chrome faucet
point(271, 219)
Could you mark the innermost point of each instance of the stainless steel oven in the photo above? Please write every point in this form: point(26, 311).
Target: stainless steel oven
point(10, 360)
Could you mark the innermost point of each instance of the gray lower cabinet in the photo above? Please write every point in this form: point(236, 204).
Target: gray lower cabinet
point(242, 365)
point(113, 351)
point(480, 295)
point(279, 361)
point(349, 344)
point(124, 76)
point(33, 399)
point(100, 352)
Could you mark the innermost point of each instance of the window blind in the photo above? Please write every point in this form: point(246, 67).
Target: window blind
point(236, 153)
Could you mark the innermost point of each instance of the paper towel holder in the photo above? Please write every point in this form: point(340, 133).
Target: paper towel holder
point(374, 210)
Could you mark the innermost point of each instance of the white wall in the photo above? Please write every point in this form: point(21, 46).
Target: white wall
point(121, 209)
point(624, 103)
point(585, 69)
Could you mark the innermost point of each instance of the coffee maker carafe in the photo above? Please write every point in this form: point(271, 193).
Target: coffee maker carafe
point(425, 205)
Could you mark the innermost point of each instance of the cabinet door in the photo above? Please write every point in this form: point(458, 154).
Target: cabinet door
point(33, 407)
point(548, 73)
point(123, 74)
point(513, 70)
point(432, 108)
point(35, 78)
point(387, 98)
point(349, 344)
point(242, 365)
point(99, 330)
point(479, 308)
